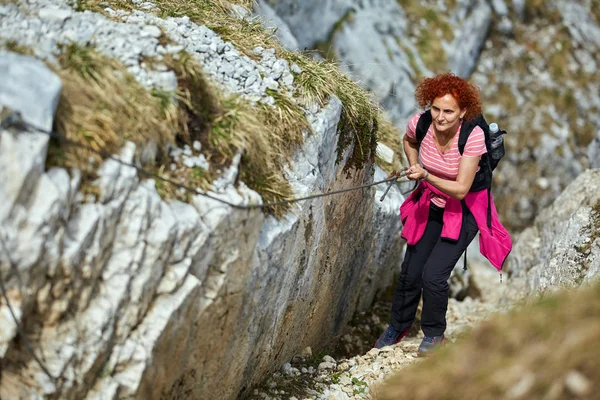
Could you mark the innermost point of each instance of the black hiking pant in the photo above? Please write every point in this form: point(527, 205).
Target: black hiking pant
point(426, 268)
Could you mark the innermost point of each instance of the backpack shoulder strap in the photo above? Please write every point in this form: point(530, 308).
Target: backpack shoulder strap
point(423, 125)
point(466, 129)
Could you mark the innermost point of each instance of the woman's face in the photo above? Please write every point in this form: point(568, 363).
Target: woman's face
point(446, 114)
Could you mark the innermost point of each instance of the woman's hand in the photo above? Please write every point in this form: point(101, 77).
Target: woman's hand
point(416, 172)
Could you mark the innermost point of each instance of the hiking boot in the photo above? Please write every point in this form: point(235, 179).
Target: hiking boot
point(429, 344)
point(389, 337)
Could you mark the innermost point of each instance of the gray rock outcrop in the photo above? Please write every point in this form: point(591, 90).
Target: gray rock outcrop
point(535, 69)
point(273, 22)
point(562, 248)
point(474, 19)
point(136, 297)
point(365, 37)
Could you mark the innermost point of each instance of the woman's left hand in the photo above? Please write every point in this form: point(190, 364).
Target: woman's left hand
point(415, 172)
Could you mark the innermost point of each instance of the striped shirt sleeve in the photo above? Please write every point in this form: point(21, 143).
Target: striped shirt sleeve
point(411, 127)
point(475, 145)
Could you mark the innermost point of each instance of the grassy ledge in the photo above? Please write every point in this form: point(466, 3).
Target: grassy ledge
point(317, 83)
point(102, 106)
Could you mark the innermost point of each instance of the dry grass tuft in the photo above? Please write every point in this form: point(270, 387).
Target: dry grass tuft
point(360, 113)
point(12, 45)
point(101, 106)
point(546, 350)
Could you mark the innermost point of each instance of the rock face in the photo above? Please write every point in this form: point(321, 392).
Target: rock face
point(136, 297)
point(562, 248)
point(475, 19)
point(272, 21)
point(548, 103)
point(537, 70)
point(374, 45)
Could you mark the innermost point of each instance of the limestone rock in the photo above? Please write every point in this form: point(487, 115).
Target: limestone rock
point(369, 41)
point(272, 21)
point(36, 99)
point(562, 248)
point(464, 50)
point(311, 21)
point(130, 290)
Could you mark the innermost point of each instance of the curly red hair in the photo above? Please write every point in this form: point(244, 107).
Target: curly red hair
point(466, 94)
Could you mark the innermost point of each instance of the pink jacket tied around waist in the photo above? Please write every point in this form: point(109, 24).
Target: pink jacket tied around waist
point(494, 243)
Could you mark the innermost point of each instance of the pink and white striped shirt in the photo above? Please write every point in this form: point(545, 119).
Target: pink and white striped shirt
point(445, 165)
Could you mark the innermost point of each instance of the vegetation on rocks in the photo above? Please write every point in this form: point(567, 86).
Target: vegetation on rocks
point(430, 29)
point(225, 125)
point(100, 107)
point(544, 350)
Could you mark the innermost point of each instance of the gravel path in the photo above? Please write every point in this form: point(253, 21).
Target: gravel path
point(352, 368)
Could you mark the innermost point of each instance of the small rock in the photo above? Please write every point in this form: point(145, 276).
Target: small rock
point(326, 365)
point(286, 368)
point(288, 79)
point(543, 183)
point(307, 352)
point(55, 14)
point(151, 31)
point(373, 352)
point(172, 49)
point(329, 359)
point(271, 83)
point(343, 367)
point(577, 383)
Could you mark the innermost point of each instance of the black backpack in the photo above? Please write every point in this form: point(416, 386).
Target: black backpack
point(489, 161)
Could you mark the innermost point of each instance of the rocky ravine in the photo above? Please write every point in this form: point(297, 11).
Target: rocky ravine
point(560, 251)
point(318, 376)
point(133, 296)
point(136, 297)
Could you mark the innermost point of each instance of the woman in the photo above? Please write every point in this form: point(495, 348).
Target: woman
point(442, 216)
